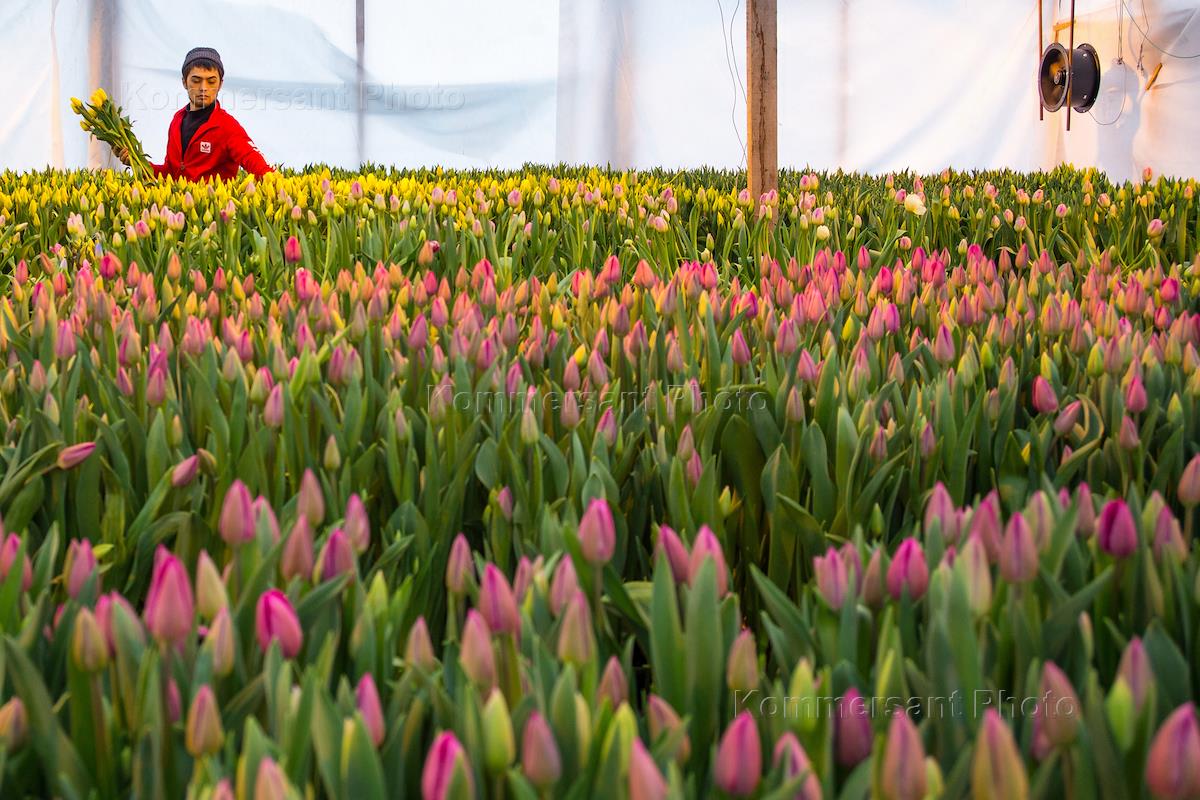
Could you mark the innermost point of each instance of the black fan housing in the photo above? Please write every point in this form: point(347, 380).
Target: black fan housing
point(1074, 81)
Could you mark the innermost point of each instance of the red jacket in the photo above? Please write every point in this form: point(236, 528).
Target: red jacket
point(218, 147)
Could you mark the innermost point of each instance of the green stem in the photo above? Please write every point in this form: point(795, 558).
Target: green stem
point(104, 760)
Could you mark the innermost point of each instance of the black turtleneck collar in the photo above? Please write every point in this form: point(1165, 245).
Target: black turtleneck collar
point(192, 120)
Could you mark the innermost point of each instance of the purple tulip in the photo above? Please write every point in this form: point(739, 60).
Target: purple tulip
point(1118, 535)
point(852, 729)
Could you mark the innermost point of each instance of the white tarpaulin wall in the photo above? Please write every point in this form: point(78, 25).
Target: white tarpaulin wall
point(869, 85)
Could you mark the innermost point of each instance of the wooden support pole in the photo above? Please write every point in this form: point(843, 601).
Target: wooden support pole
point(1041, 47)
point(762, 111)
point(1071, 67)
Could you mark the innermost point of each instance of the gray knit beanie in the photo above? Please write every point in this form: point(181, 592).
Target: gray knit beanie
point(200, 53)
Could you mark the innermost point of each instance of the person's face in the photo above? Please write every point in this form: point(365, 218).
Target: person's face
point(202, 86)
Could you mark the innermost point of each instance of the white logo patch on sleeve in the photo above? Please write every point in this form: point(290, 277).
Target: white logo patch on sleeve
point(206, 147)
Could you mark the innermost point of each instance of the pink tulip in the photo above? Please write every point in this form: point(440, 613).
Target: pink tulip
point(943, 346)
point(576, 642)
point(275, 620)
point(597, 533)
point(739, 350)
point(76, 454)
point(791, 755)
point(476, 656)
point(445, 760)
point(940, 508)
point(237, 520)
point(79, 567)
point(366, 697)
point(459, 568)
point(739, 758)
point(563, 586)
point(1189, 483)
point(1136, 671)
point(646, 781)
point(670, 546)
point(540, 760)
point(311, 500)
point(903, 773)
point(337, 556)
point(185, 471)
point(1044, 399)
point(291, 250)
point(169, 605)
point(1018, 554)
point(613, 685)
point(1118, 534)
point(852, 729)
point(706, 546)
point(908, 571)
point(297, 559)
point(497, 603)
point(832, 578)
point(1173, 763)
point(8, 554)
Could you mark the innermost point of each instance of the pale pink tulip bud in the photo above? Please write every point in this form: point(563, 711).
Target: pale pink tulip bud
point(80, 565)
point(706, 546)
point(497, 603)
point(597, 533)
point(366, 697)
point(1173, 763)
point(418, 649)
point(540, 760)
point(459, 568)
point(564, 585)
point(237, 521)
point(311, 501)
point(357, 525)
point(476, 656)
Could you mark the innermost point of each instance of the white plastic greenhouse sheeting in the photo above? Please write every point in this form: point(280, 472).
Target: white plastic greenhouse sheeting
point(871, 85)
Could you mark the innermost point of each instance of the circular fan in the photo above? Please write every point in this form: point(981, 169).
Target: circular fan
point(1075, 80)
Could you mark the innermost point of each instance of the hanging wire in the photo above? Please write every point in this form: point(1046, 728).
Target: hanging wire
point(727, 37)
point(1124, 72)
point(733, 51)
point(1124, 96)
point(1146, 35)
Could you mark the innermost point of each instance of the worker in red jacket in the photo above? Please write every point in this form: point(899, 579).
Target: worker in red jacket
point(204, 140)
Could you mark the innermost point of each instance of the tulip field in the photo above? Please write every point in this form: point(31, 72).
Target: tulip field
point(571, 483)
